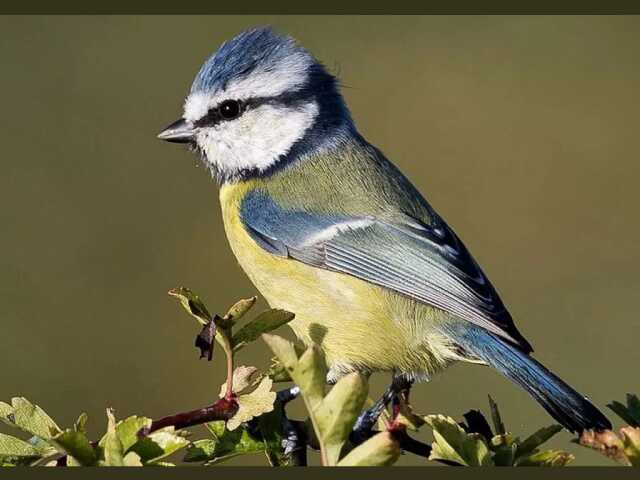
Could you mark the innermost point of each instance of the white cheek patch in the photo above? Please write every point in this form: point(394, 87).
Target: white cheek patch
point(290, 74)
point(257, 139)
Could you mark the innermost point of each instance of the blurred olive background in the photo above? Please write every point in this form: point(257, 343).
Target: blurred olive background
point(521, 131)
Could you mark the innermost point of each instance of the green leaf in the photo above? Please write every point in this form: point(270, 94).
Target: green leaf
point(80, 425)
point(127, 430)
point(380, 450)
point(630, 412)
point(270, 425)
point(453, 444)
point(14, 448)
point(158, 445)
point(283, 349)
point(338, 411)
point(264, 323)
point(623, 412)
point(531, 443)
point(631, 442)
point(311, 376)
point(5, 411)
point(77, 445)
point(498, 425)
point(132, 459)
point(405, 416)
point(633, 406)
point(548, 458)
point(192, 303)
point(28, 417)
point(224, 445)
point(504, 450)
point(44, 447)
point(112, 451)
point(239, 309)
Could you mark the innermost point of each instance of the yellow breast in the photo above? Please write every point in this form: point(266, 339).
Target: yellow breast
point(357, 324)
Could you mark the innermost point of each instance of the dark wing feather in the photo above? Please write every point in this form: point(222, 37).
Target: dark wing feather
point(425, 262)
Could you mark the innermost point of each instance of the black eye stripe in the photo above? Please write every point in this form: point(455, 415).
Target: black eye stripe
point(215, 115)
point(225, 111)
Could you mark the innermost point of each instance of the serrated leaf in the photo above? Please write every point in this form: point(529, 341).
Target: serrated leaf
point(192, 303)
point(29, 418)
point(253, 404)
point(453, 444)
point(216, 428)
point(337, 413)
point(112, 451)
point(548, 458)
point(12, 447)
point(264, 323)
point(633, 405)
point(201, 450)
point(240, 308)
point(380, 450)
point(127, 430)
point(80, 425)
point(623, 412)
point(5, 411)
point(406, 417)
point(630, 412)
point(244, 378)
point(132, 459)
point(531, 443)
point(158, 445)
point(225, 445)
point(498, 425)
point(77, 445)
point(631, 442)
point(44, 447)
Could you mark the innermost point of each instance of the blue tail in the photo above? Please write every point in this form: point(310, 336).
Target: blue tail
point(563, 403)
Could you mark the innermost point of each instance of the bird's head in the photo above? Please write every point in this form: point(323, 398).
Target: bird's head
point(256, 103)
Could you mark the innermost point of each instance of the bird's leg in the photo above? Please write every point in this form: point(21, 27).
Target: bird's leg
point(363, 428)
point(401, 387)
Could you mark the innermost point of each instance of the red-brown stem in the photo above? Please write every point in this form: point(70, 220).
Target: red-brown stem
point(229, 393)
point(223, 409)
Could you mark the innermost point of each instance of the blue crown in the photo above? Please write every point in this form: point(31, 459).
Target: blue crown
point(261, 48)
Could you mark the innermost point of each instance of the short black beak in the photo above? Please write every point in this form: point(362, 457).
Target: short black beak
point(179, 131)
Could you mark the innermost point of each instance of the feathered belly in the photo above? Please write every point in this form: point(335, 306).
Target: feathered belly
point(359, 326)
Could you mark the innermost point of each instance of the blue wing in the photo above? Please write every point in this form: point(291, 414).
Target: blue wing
point(425, 262)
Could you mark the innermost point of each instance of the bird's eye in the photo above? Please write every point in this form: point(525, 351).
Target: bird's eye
point(230, 109)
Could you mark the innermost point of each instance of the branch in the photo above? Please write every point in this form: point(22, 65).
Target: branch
point(223, 409)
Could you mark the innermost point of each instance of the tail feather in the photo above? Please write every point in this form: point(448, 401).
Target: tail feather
point(571, 409)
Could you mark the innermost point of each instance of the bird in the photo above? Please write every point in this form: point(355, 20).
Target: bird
point(327, 227)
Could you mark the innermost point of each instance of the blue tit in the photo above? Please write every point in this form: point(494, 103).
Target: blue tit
point(327, 227)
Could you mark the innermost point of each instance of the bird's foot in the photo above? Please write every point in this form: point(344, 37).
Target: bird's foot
point(397, 392)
